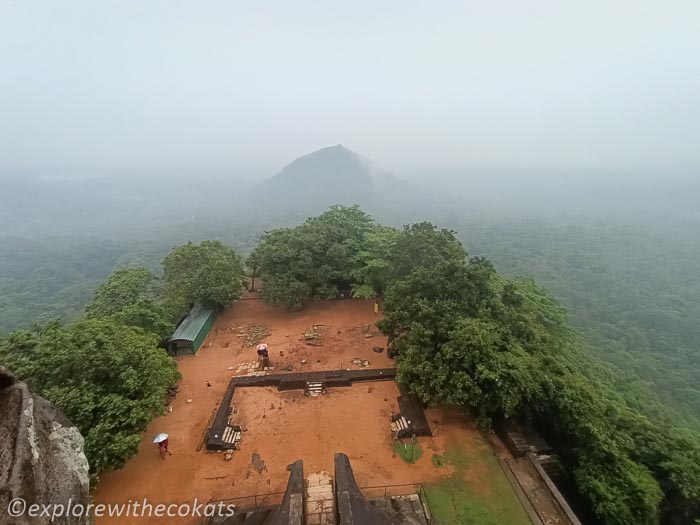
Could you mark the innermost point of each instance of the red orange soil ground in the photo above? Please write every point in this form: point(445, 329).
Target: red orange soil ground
point(342, 337)
point(353, 420)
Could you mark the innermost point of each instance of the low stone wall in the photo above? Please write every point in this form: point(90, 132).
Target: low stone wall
point(289, 381)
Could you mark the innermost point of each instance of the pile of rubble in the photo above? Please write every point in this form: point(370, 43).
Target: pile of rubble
point(251, 369)
point(312, 335)
point(251, 334)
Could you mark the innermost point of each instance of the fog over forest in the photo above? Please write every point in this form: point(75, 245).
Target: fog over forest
point(559, 141)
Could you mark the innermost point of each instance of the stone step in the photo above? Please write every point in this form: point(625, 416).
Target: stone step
point(314, 388)
point(231, 436)
point(320, 499)
point(323, 489)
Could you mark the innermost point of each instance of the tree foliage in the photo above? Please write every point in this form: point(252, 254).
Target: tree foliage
point(467, 336)
point(372, 269)
point(108, 378)
point(124, 287)
point(313, 260)
point(129, 296)
point(629, 278)
point(207, 271)
point(631, 289)
point(149, 315)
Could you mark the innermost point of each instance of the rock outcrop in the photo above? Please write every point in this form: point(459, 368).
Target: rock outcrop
point(41, 457)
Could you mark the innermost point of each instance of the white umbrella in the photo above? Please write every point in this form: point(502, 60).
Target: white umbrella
point(160, 437)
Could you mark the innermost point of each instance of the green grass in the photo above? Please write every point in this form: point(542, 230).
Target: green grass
point(407, 451)
point(487, 500)
point(438, 460)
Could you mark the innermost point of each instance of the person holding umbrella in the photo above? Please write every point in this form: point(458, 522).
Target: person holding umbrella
point(263, 354)
point(162, 441)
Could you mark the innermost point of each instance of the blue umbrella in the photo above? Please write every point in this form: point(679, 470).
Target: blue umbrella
point(160, 437)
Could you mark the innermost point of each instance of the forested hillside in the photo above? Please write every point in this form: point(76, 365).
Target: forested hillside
point(622, 256)
point(53, 277)
point(634, 292)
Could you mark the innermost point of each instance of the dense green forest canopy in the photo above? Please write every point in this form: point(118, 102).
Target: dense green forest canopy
point(633, 291)
point(630, 281)
point(131, 296)
point(209, 271)
point(313, 260)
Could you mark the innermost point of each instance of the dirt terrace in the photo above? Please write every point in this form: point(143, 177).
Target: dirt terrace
point(342, 335)
point(280, 426)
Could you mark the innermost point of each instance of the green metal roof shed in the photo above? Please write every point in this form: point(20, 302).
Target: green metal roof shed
point(191, 332)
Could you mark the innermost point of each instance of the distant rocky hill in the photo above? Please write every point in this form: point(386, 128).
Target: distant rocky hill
point(336, 175)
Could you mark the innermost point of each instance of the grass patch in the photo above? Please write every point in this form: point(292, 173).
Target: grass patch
point(476, 492)
point(408, 451)
point(438, 461)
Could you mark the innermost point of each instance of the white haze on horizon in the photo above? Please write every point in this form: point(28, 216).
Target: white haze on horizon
point(220, 87)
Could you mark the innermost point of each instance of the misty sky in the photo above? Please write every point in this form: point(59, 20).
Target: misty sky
point(157, 86)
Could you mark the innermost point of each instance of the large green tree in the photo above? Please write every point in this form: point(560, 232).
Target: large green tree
point(469, 337)
point(130, 296)
point(314, 259)
point(152, 316)
point(430, 286)
point(372, 270)
point(124, 287)
point(207, 271)
point(108, 378)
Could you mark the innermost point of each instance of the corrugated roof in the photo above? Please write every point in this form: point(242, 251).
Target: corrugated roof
point(193, 323)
